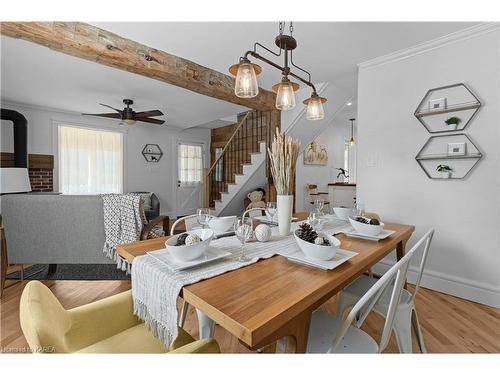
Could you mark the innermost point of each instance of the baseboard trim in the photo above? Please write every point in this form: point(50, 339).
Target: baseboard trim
point(459, 287)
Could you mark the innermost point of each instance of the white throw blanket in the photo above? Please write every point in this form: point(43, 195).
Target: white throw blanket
point(123, 223)
point(155, 287)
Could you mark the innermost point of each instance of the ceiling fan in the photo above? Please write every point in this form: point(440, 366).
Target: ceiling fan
point(129, 116)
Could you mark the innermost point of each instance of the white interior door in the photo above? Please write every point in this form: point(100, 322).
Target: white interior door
point(190, 177)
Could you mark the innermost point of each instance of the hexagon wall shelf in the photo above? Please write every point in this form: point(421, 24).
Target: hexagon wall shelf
point(442, 103)
point(455, 150)
point(152, 153)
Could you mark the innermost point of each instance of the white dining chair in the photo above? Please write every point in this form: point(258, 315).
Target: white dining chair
point(406, 313)
point(329, 334)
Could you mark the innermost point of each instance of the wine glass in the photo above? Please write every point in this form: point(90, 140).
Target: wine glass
point(243, 230)
point(271, 210)
point(319, 204)
point(314, 221)
point(203, 216)
point(359, 209)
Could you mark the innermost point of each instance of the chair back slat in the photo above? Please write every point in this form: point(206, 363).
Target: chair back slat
point(362, 308)
point(428, 239)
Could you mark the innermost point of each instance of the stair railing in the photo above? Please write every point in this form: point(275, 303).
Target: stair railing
point(245, 140)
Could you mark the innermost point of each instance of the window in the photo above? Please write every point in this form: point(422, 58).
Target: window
point(90, 161)
point(190, 163)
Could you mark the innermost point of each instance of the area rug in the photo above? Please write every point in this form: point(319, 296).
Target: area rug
point(72, 272)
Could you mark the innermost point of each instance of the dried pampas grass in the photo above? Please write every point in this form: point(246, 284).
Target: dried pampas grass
point(283, 154)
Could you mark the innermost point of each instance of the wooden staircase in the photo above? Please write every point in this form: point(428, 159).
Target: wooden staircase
point(250, 137)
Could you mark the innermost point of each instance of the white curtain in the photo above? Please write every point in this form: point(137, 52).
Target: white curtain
point(90, 161)
point(190, 163)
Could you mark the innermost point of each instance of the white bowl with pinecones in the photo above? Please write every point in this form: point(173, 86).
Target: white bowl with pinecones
point(189, 245)
point(316, 245)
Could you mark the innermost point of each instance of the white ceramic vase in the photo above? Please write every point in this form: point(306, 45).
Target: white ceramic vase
point(284, 204)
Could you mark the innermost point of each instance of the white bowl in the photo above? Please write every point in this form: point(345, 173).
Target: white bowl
point(189, 252)
point(319, 252)
point(222, 224)
point(342, 212)
point(366, 229)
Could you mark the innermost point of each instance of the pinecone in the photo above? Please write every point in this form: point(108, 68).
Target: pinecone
point(306, 233)
point(181, 240)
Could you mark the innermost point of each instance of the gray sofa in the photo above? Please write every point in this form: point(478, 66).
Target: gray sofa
point(59, 229)
point(54, 229)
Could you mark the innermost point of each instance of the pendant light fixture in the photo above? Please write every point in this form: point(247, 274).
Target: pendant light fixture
point(351, 141)
point(246, 85)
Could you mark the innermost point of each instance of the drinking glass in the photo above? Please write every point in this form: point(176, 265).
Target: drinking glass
point(243, 231)
point(319, 204)
point(359, 209)
point(271, 210)
point(314, 221)
point(203, 216)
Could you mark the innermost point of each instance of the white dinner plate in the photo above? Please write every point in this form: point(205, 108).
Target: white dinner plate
point(351, 232)
point(340, 257)
point(211, 254)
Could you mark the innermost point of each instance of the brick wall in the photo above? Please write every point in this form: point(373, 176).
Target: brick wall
point(41, 179)
point(41, 169)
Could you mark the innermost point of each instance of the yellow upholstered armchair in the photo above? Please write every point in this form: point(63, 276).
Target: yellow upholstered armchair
point(104, 326)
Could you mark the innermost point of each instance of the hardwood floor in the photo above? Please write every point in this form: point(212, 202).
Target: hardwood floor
point(449, 324)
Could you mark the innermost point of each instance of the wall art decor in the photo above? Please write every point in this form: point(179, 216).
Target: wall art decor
point(448, 156)
point(448, 108)
point(315, 154)
point(152, 153)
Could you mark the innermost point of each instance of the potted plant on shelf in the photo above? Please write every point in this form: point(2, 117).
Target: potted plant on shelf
point(452, 123)
point(283, 155)
point(445, 170)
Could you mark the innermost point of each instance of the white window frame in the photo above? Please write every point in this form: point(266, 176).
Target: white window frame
point(190, 143)
point(56, 123)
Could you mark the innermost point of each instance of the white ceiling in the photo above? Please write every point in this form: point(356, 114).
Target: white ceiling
point(330, 51)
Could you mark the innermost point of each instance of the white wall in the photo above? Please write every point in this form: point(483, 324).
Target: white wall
point(333, 137)
point(465, 256)
point(139, 175)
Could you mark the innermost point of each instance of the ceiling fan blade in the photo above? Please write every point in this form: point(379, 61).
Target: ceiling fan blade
point(105, 105)
point(149, 113)
point(111, 115)
point(150, 120)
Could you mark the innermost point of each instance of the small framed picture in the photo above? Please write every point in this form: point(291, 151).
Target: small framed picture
point(457, 148)
point(437, 104)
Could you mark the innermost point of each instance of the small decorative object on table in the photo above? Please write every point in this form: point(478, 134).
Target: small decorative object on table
point(283, 155)
point(316, 245)
point(445, 170)
point(452, 123)
point(262, 233)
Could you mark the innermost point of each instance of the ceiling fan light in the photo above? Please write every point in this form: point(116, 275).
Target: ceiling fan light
point(315, 109)
point(246, 85)
point(285, 97)
point(128, 121)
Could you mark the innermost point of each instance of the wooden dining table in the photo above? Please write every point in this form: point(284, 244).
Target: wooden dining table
point(270, 302)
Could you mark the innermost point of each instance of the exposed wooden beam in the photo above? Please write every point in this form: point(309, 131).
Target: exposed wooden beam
point(94, 44)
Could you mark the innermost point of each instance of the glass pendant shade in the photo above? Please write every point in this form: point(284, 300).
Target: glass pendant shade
point(351, 142)
point(246, 81)
point(315, 109)
point(285, 97)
